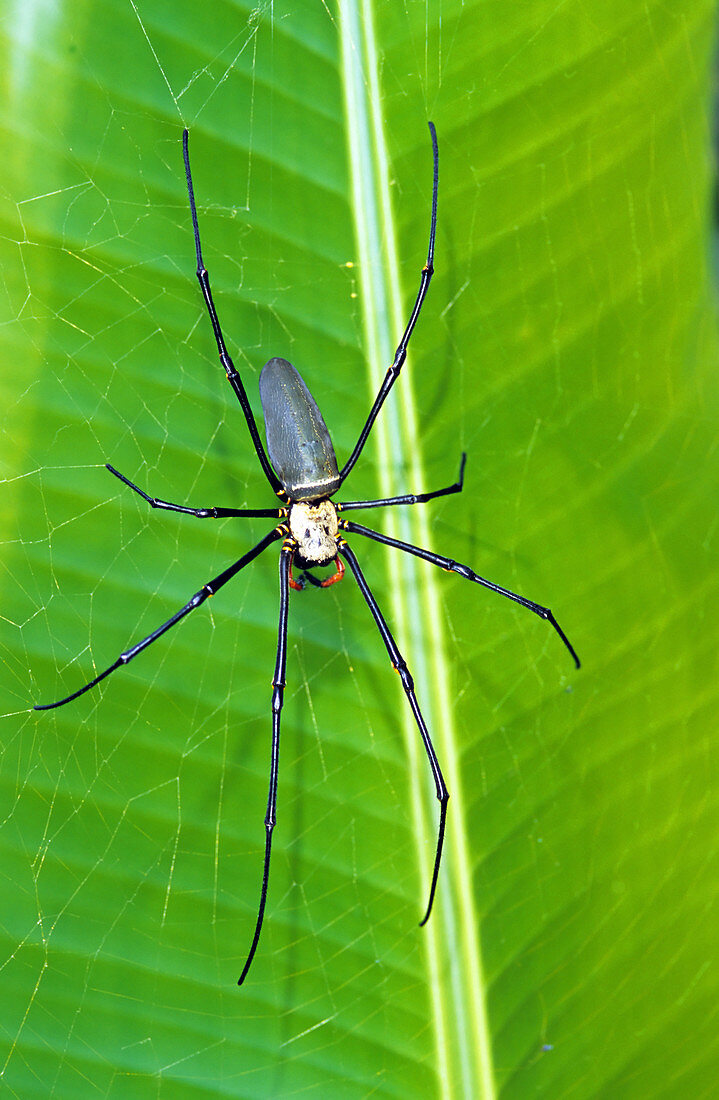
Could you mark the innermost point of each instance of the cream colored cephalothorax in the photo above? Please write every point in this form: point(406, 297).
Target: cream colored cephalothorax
point(315, 528)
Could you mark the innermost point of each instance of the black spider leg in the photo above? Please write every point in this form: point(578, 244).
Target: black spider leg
point(201, 513)
point(411, 498)
point(399, 664)
point(232, 375)
point(464, 571)
point(278, 689)
point(401, 353)
point(208, 589)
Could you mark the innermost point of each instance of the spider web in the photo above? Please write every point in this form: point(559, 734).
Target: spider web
point(142, 785)
point(132, 824)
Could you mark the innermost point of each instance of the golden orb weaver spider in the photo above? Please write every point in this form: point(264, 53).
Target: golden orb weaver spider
point(301, 467)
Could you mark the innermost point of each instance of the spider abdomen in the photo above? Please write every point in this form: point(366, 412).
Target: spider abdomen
point(315, 528)
point(298, 442)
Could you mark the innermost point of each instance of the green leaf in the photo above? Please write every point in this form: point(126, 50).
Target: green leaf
point(568, 345)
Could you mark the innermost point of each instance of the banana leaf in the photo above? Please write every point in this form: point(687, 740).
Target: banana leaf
point(567, 345)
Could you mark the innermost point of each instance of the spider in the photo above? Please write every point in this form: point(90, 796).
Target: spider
point(301, 467)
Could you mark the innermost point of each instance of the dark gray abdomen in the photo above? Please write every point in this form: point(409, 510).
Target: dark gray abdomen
point(298, 442)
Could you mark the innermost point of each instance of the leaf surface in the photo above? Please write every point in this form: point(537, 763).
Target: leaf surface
point(567, 345)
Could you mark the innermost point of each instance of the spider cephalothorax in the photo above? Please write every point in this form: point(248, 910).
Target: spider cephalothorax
point(302, 471)
point(315, 528)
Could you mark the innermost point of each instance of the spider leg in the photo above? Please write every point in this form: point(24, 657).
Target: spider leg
point(201, 513)
point(401, 353)
point(399, 664)
point(278, 689)
point(464, 571)
point(232, 375)
point(411, 498)
point(207, 589)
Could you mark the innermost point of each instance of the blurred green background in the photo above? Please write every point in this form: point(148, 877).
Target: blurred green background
point(567, 345)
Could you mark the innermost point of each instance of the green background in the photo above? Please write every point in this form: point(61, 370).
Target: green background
point(567, 345)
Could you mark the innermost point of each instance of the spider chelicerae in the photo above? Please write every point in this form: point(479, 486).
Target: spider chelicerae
point(301, 467)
